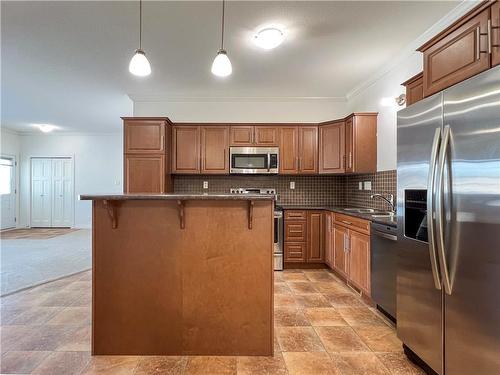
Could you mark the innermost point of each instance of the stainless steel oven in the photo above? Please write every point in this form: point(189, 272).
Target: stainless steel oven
point(254, 160)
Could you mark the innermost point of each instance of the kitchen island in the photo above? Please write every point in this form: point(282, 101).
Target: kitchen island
point(182, 274)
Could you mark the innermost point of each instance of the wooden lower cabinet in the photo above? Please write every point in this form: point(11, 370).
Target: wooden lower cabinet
point(145, 174)
point(340, 259)
point(315, 237)
point(329, 239)
point(359, 260)
point(295, 252)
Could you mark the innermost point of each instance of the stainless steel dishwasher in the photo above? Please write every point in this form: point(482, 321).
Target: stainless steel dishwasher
point(384, 243)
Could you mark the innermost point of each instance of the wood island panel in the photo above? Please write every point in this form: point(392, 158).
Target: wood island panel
point(206, 289)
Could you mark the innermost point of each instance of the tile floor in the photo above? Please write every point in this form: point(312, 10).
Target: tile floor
point(322, 327)
point(34, 233)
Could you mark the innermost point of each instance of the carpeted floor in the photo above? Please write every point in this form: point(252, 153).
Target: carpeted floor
point(26, 261)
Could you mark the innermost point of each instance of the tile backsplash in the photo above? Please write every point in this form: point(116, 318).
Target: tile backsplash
point(309, 190)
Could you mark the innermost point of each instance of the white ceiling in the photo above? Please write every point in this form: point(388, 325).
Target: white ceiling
point(66, 63)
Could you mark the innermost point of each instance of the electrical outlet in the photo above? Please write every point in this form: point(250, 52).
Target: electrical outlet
point(205, 184)
point(292, 185)
point(360, 186)
point(368, 185)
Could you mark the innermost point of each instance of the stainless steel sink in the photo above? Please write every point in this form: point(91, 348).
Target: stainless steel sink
point(360, 210)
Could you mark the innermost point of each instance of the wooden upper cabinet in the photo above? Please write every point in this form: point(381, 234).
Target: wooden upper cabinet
point(457, 54)
point(495, 34)
point(289, 150)
point(144, 135)
point(361, 143)
point(144, 173)
point(349, 145)
point(214, 149)
point(315, 240)
point(266, 136)
point(242, 135)
point(332, 148)
point(414, 89)
point(186, 149)
point(359, 260)
point(340, 259)
point(308, 149)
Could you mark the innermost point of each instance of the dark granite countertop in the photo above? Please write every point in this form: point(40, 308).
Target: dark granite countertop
point(122, 197)
point(341, 210)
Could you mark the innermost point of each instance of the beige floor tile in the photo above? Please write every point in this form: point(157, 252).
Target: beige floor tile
point(340, 339)
point(9, 313)
point(12, 337)
point(358, 364)
point(343, 299)
point(21, 362)
point(285, 316)
point(72, 316)
point(330, 287)
point(61, 298)
point(211, 365)
point(285, 300)
point(174, 365)
point(45, 337)
point(294, 277)
point(67, 363)
point(398, 364)
point(319, 276)
point(278, 276)
point(379, 338)
point(318, 363)
point(298, 339)
point(78, 341)
point(301, 287)
point(281, 288)
point(312, 300)
point(359, 316)
point(261, 365)
point(36, 315)
point(324, 316)
point(115, 365)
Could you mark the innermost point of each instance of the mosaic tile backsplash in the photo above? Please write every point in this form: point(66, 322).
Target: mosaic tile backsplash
point(309, 190)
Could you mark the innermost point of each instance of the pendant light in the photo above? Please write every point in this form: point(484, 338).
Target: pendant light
point(222, 66)
point(139, 64)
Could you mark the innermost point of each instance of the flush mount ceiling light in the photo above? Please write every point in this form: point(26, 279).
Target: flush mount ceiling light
point(269, 38)
point(221, 66)
point(45, 128)
point(139, 64)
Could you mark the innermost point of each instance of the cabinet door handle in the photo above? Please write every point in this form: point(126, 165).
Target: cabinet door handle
point(162, 142)
point(350, 159)
point(346, 222)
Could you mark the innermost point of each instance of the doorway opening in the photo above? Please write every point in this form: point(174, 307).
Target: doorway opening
point(8, 191)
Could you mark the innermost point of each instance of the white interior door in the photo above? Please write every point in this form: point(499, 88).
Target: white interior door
point(62, 187)
point(7, 192)
point(41, 192)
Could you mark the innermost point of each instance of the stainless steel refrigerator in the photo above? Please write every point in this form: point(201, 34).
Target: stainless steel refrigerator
point(448, 283)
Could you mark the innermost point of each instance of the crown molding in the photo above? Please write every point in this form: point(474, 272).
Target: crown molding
point(461, 9)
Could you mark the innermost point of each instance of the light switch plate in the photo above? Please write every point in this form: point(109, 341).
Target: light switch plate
point(292, 185)
point(360, 186)
point(368, 185)
point(205, 184)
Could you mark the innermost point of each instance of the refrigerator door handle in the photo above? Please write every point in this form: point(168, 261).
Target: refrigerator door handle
point(439, 211)
point(430, 210)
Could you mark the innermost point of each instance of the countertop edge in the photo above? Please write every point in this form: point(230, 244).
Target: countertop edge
point(122, 197)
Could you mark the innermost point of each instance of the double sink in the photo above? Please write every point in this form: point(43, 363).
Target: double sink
point(373, 213)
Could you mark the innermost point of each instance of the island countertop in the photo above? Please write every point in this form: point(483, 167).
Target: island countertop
point(178, 196)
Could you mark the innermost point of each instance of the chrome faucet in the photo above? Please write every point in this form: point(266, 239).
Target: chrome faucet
point(389, 199)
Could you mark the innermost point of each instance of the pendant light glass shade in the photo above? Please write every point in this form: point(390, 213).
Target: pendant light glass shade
point(221, 66)
point(139, 64)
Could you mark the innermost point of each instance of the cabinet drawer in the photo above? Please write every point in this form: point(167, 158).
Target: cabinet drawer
point(295, 231)
point(353, 223)
point(295, 215)
point(295, 252)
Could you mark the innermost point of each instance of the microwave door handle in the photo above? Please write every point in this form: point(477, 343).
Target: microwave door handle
point(268, 162)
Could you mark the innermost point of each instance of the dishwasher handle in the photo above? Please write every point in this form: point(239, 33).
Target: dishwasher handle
point(387, 236)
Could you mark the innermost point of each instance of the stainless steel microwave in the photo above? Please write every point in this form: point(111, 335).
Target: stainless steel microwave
point(254, 160)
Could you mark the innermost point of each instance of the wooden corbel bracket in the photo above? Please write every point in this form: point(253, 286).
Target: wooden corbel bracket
point(111, 207)
point(182, 214)
point(250, 214)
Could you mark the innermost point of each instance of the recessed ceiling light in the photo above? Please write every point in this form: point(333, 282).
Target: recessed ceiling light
point(46, 128)
point(269, 38)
